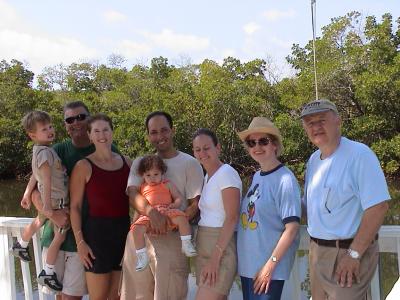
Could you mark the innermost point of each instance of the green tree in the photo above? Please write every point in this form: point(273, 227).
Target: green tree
point(358, 68)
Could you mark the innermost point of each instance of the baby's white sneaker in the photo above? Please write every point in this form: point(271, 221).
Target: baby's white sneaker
point(188, 248)
point(142, 261)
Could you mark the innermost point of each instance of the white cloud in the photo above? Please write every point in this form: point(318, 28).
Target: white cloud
point(273, 15)
point(112, 16)
point(8, 16)
point(177, 42)
point(132, 49)
point(42, 51)
point(23, 41)
point(250, 28)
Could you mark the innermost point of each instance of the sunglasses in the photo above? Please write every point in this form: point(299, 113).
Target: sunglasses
point(262, 142)
point(80, 117)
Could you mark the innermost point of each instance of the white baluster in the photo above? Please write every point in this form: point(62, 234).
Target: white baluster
point(7, 268)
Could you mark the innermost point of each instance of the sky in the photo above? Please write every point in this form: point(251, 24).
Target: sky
point(44, 33)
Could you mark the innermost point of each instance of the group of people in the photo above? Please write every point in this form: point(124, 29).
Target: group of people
point(254, 235)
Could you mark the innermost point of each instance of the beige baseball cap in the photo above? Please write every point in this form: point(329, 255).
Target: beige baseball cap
point(318, 106)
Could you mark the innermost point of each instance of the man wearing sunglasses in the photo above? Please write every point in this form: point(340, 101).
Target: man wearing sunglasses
point(68, 266)
point(346, 198)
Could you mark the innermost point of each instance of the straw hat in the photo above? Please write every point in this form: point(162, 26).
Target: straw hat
point(263, 125)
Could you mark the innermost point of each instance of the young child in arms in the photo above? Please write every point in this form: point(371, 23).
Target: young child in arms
point(163, 195)
point(52, 183)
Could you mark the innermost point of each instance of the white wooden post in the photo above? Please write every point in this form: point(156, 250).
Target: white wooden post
point(26, 275)
point(38, 261)
point(398, 253)
point(375, 285)
point(7, 268)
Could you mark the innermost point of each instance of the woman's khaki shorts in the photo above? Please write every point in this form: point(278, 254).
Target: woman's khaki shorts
point(205, 243)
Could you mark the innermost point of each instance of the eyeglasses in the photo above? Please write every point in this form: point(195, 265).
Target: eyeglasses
point(80, 117)
point(262, 142)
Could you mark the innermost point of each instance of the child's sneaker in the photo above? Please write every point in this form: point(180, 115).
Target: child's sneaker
point(21, 252)
point(188, 248)
point(50, 281)
point(142, 261)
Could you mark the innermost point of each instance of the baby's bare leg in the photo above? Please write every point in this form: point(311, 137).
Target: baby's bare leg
point(138, 232)
point(185, 231)
point(183, 225)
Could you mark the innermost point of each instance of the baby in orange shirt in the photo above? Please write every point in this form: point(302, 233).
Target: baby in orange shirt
point(163, 195)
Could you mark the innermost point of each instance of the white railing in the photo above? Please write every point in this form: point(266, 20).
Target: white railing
point(11, 227)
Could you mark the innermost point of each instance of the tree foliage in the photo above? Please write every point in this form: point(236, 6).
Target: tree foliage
point(358, 66)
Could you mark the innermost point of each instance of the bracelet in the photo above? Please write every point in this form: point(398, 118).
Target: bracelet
point(79, 232)
point(80, 242)
point(219, 248)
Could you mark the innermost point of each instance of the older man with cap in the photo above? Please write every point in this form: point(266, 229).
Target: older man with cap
point(346, 198)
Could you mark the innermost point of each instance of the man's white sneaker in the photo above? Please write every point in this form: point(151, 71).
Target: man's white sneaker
point(188, 248)
point(142, 261)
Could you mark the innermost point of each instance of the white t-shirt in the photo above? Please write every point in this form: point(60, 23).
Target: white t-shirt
point(212, 212)
point(183, 170)
point(339, 188)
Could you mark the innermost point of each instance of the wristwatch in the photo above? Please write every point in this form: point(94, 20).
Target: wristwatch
point(353, 253)
point(274, 258)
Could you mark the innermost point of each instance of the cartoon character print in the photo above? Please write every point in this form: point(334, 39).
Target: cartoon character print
point(246, 219)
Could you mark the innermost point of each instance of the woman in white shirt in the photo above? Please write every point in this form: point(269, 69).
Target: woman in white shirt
point(216, 262)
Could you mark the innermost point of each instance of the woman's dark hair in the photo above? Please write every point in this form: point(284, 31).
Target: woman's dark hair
point(151, 161)
point(208, 132)
point(99, 117)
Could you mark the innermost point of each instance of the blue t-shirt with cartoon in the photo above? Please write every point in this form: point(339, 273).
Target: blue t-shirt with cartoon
point(272, 201)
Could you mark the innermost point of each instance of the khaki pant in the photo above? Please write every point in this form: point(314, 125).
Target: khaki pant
point(206, 240)
point(70, 272)
point(165, 279)
point(323, 261)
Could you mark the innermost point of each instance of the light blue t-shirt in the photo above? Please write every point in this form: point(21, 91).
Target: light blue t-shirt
point(272, 201)
point(340, 187)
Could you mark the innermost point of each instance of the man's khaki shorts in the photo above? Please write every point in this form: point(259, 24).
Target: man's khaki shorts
point(70, 272)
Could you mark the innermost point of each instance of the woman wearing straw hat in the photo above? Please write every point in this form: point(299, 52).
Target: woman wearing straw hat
point(269, 216)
